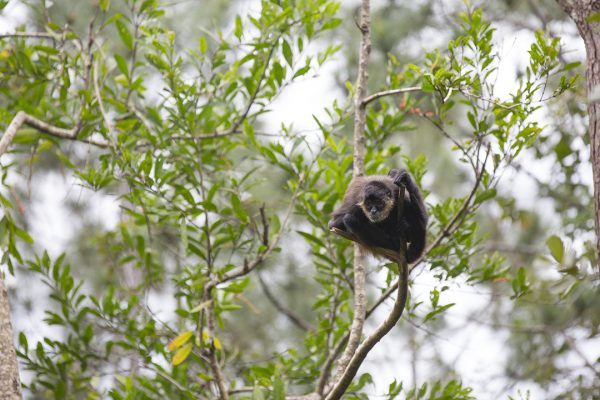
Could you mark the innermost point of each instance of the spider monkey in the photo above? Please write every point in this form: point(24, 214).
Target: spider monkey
point(370, 213)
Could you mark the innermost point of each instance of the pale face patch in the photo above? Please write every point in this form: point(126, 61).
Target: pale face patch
point(377, 211)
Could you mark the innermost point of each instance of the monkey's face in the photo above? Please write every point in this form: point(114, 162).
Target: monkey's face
point(376, 202)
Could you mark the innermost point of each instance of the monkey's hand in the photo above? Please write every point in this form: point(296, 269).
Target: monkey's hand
point(401, 178)
point(344, 234)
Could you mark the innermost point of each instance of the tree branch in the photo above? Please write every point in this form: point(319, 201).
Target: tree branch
point(360, 307)
point(214, 362)
point(10, 384)
point(391, 92)
point(254, 95)
point(296, 320)
point(361, 353)
point(22, 118)
point(329, 362)
point(30, 35)
point(250, 266)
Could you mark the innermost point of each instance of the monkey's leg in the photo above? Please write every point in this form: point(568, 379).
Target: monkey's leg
point(369, 234)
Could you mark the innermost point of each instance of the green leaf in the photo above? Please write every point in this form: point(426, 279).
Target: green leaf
point(202, 44)
point(520, 285)
point(279, 72)
point(278, 388)
point(287, 52)
point(301, 71)
point(239, 211)
point(239, 29)
point(157, 61)
point(556, 247)
point(23, 342)
point(437, 311)
point(124, 33)
point(104, 4)
point(569, 290)
point(571, 65)
point(485, 195)
point(312, 238)
point(331, 24)
point(122, 65)
point(593, 18)
point(23, 235)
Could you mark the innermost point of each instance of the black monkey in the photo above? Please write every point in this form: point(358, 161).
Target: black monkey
point(369, 212)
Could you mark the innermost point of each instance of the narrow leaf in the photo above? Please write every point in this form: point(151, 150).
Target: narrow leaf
point(182, 354)
point(125, 35)
point(556, 247)
point(179, 340)
point(287, 52)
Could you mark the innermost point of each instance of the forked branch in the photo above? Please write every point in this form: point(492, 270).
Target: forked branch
point(391, 92)
point(22, 118)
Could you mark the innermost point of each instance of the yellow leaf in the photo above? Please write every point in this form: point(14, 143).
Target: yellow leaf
point(217, 343)
point(181, 354)
point(179, 340)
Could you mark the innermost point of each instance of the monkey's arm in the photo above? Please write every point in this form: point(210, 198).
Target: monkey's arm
point(337, 220)
point(368, 233)
point(390, 254)
point(414, 214)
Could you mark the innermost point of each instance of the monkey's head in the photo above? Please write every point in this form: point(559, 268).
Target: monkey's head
point(376, 201)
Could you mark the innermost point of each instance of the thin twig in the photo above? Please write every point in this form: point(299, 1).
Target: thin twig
point(295, 319)
point(329, 362)
point(111, 133)
point(251, 265)
point(242, 390)
point(265, 224)
point(332, 355)
point(205, 137)
point(571, 342)
point(214, 362)
point(391, 92)
point(30, 35)
point(453, 140)
point(254, 95)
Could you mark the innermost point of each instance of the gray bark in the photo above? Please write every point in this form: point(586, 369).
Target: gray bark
point(10, 384)
point(580, 11)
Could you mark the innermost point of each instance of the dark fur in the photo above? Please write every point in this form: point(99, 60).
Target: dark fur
point(369, 212)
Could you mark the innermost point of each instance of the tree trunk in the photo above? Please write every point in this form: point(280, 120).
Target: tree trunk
point(10, 384)
point(580, 11)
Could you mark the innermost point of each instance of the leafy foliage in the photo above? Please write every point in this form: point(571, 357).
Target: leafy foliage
point(209, 201)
